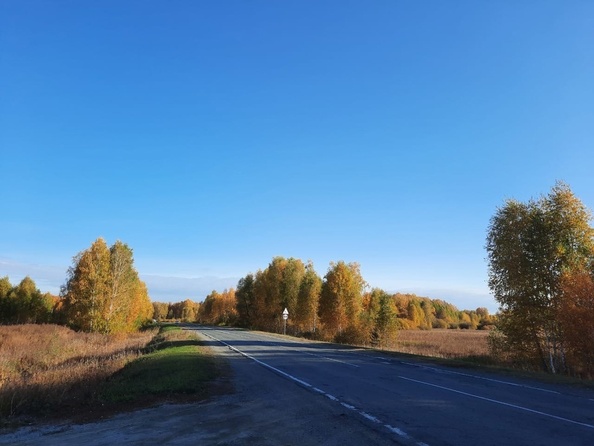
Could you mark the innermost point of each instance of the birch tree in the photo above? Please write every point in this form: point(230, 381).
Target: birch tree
point(341, 297)
point(306, 313)
point(103, 292)
point(87, 288)
point(530, 246)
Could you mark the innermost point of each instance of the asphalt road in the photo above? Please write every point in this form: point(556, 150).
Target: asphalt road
point(294, 393)
point(401, 401)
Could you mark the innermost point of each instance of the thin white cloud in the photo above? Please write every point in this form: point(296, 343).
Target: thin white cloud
point(176, 289)
point(48, 278)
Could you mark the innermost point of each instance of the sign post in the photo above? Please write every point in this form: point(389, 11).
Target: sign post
point(285, 317)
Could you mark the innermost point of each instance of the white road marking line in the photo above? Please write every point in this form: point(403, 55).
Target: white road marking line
point(499, 402)
point(399, 432)
point(468, 375)
point(370, 417)
point(330, 359)
point(362, 413)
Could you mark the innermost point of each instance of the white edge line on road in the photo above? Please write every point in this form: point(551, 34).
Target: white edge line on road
point(499, 402)
point(362, 413)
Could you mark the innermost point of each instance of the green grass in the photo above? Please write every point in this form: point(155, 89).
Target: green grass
point(175, 365)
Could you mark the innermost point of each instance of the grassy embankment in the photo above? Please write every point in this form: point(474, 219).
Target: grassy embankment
point(49, 370)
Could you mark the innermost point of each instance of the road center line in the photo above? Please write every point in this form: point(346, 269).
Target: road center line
point(499, 402)
point(451, 372)
point(330, 359)
point(307, 385)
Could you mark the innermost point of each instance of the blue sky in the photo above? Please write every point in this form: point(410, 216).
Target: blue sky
point(212, 136)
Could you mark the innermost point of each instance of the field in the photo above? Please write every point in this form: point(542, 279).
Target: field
point(443, 343)
point(52, 371)
point(43, 366)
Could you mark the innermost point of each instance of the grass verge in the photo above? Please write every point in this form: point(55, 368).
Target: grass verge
point(175, 366)
point(51, 373)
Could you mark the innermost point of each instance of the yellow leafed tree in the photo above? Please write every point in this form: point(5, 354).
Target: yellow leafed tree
point(103, 292)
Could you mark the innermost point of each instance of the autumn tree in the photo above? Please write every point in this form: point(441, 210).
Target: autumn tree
point(218, 308)
point(244, 301)
point(576, 317)
point(290, 285)
point(189, 310)
point(306, 312)
point(140, 309)
point(87, 288)
point(123, 282)
point(103, 292)
point(341, 298)
point(160, 310)
point(530, 247)
point(276, 288)
point(175, 310)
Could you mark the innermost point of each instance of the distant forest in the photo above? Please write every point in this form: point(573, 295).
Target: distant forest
point(337, 307)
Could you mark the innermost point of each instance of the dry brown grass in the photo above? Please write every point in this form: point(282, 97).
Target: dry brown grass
point(45, 366)
point(443, 343)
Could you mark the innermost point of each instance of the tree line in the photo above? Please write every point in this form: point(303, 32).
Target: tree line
point(25, 304)
point(337, 307)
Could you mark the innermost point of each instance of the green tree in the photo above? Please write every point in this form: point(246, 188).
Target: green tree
point(385, 327)
point(530, 246)
point(5, 304)
point(5, 287)
point(244, 297)
point(24, 303)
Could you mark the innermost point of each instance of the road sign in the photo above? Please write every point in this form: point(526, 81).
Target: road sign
point(285, 317)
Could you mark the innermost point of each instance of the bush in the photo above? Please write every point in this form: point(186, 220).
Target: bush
point(353, 335)
point(440, 324)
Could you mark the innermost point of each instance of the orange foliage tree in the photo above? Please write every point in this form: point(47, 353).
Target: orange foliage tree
point(218, 308)
point(576, 316)
point(103, 292)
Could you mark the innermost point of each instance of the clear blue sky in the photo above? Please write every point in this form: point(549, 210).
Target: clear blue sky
point(213, 135)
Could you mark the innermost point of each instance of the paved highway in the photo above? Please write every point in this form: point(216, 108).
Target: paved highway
point(409, 402)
